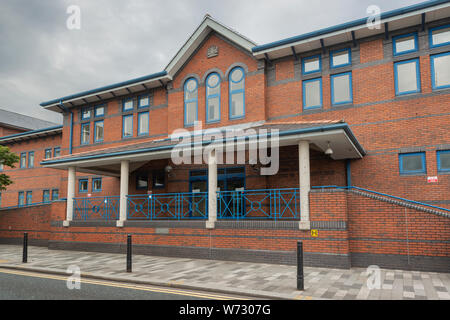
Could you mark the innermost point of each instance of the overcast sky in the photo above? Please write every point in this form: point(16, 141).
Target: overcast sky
point(41, 59)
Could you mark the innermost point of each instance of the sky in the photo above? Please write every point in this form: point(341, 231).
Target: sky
point(42, 59)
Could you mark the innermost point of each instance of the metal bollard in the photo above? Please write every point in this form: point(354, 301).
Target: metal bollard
point(129, 253)
point(25, 248)
point(300, 278)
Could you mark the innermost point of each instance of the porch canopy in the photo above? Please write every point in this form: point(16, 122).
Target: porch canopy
point(122, 160)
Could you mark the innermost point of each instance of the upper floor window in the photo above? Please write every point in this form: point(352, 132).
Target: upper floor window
point(213, 97)
point(30, 159)
point(405, 43)
point(48, 153)
point(407, 77)
point(56, 152)
point(23, 160)
point(85, 113)
point(340, 58)
point(46, 196)
point(29, 197)
point(190, 101)
point(143, 101)
point(99, 111)
point(127, 105)
point(99, 131)
point(85, 133)
point(127, 126)
point(440, 70)
point(341, 88)
point(55, 194)
point(443, 161)
point(412, 163)
point(237, 93)
point(440, 36)
point(311, 64)
point(312, 93)
point(143, 123)
point(21, 201)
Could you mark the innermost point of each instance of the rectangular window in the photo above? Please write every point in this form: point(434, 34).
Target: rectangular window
point(99, 111)
point(142, 181)
point(312, 93)
point(56, 152)
point(143, 123)
point(29, 198)
point(340, 58)
point(55, 194)
point(46, 196)
point(159, 179)
point(23, 160)
point(127, 126)
point(1, 166)
point(311, 64)
point(97, 185)
point(412, 163)
point(85, 133)
point(31, 159)
point(48, 153)
point(127, 105)
point(440, 70)
point(83, 185)
point(443, 161)
point(341, 88)
point(407, 77)
point(405, 43)
point(85, 113)
point(21, 201)
point(143, 101)
point(440, 36)
point(98, 131)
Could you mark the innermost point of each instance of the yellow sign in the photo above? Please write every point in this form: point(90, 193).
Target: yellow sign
point(314, 233)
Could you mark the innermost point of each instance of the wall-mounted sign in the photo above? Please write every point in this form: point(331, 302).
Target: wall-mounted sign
point(433, 179)
point(314, 233)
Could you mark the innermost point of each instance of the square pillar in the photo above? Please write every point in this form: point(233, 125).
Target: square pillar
point(305, 184)
point(70, 195)
point(124, 179)
point(212, 190)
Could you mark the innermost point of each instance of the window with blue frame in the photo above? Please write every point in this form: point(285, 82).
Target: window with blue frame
point(55, 194)
point(99, 133)
point(412, 163)
point(213, 98)
point(237, 93)
point(29, 198)
point(190, 102)
point(23, 160)
point(440, 70)
point(341, 88)
point(142, 181)
point(96, 184)
point(21, 201)
point(127, 105)
point(143, 123)
point(127, 126)
point(407, 76)
point(83, 185)
point(405, 43)
point(31, 159)
point(85, 113)
point(311, 64)
point(312, 93)
point(144, 101)
point(340, 58)
point(99, 111)
point(56, 152)
point(85, 133)
point(443, 161)
point(440, 36)
point(46, 196)
point(48, 153)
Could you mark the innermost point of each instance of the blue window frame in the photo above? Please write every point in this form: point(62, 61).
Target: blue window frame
point(46, 196)
point(127, 105)
point(23, 160)
point(143, 123)
point(29, 198)
point(412, 163)
point(312, 94)
point(55, 194)
point(31, 159)
point(340, 58)
point(236, 83)
point(439, 36)
point(85, 133)
point(127, 126)
point(56, 152)
point(85, 113)
point(440, 70)
point(99, 111)
point(48, 153)
point(190, 102)
point(97, 185)
point(341, 88)
point(99, 131)
point(443, 161)
point(407, 77)
point(144, 101)
point(405, 43)
point(21, 200)
point(312, 64)
point(83, 185)
point(213, 82)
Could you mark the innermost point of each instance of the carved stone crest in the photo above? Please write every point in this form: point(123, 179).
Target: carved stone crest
point(213, 51)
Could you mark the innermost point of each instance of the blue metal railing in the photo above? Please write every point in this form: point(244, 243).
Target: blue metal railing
point(273, 204)
point(96, 208)
point(171, 206)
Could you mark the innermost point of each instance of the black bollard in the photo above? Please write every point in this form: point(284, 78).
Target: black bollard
point(25, 248)
point(129, 253)
point(300, 279)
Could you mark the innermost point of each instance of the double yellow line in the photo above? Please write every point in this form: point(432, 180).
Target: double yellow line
point(124, 285)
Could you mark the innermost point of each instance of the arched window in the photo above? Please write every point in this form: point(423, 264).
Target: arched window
point(190, 101)
point(213, 98)
point(237, 93)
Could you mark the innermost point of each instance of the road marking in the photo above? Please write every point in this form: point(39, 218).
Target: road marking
point(125, 286)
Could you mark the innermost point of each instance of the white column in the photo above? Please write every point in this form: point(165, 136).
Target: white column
point(124, 177)
point(212, 190)
point(70, 195)
point(305, 184)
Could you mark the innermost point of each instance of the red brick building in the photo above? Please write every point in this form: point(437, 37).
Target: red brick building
point(359, 116)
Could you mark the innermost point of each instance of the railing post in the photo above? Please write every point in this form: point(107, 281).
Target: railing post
point(300, 277)
point(129, 248)
point(25, 248)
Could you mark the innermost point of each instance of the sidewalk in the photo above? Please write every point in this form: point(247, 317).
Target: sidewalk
point(241, 278)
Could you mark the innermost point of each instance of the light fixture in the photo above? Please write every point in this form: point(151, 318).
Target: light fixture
point(329, 151)
point(168, 169)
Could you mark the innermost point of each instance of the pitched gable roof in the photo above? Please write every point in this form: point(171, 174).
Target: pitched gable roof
point(21, 121)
